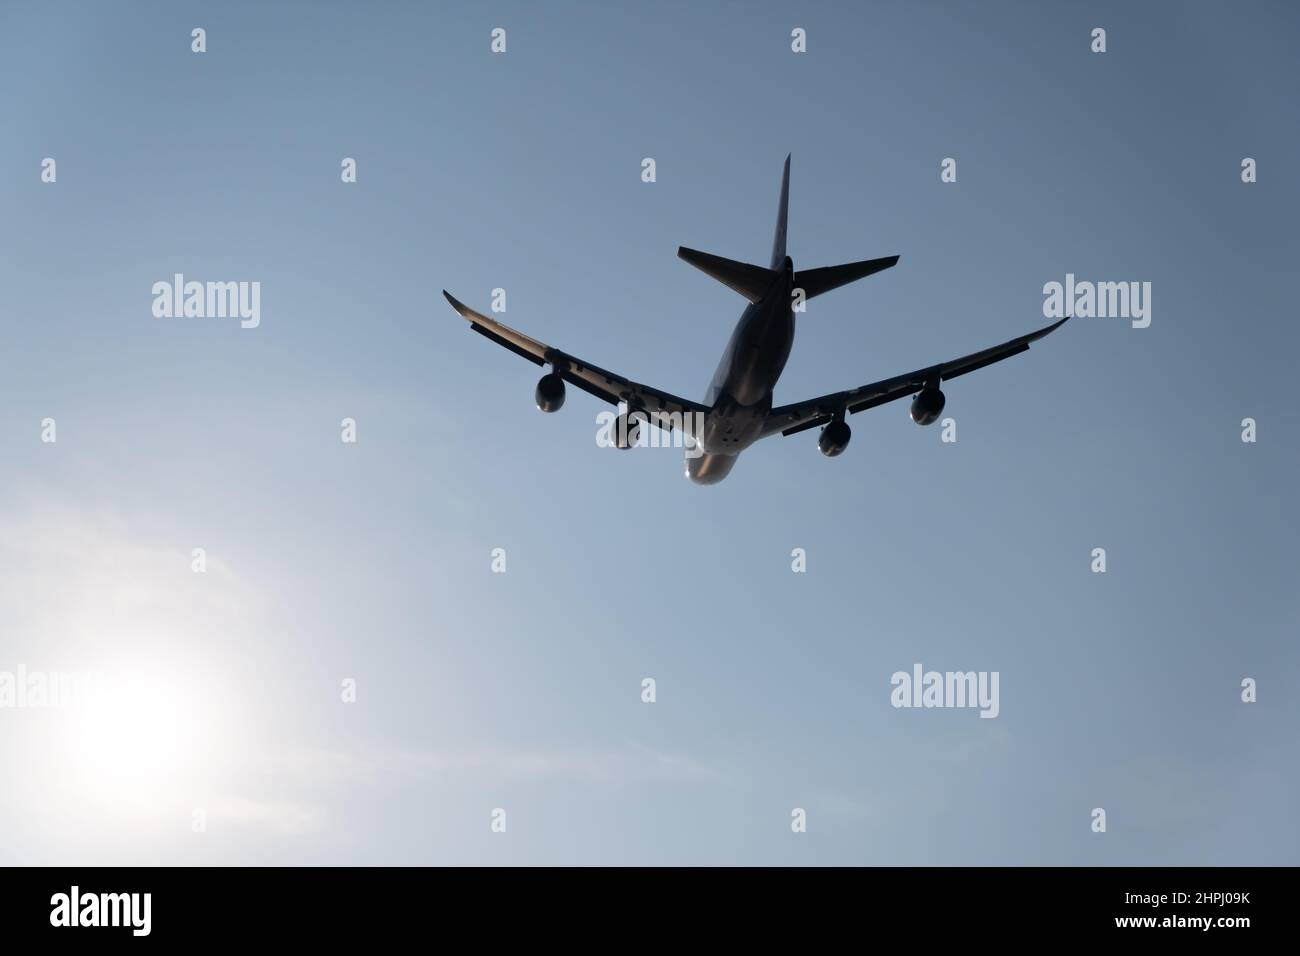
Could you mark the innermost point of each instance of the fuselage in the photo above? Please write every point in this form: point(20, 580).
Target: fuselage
point(740, 395)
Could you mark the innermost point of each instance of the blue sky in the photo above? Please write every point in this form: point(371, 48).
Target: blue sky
point(371, 561)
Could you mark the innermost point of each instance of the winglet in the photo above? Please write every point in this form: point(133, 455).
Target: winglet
point(1035, 336)
point(465, 311)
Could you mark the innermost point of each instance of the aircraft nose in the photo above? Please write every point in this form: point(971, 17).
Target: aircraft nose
point(709, 469)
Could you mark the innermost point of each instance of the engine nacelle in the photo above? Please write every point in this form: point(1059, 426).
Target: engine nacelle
point(834, 438)
point(550, 393)
point(927, 406)
point(626, 430)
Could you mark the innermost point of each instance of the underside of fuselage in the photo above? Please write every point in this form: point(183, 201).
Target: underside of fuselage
point(740, 395)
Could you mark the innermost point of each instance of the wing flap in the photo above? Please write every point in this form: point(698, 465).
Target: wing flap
point(506, 343)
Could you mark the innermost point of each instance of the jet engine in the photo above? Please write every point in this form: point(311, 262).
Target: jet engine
point(550, 393)
point(928, 405)
point(626, 429)
point(834, 438)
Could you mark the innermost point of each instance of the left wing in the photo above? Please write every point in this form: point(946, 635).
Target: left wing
point(789, 419)
point(604, 385)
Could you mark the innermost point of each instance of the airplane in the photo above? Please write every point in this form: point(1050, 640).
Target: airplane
point(737, 409)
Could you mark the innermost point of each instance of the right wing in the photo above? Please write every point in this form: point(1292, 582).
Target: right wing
point(606, 386)
point(789, 419)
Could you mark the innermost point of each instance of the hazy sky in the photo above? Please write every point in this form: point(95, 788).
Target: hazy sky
point(371, 562)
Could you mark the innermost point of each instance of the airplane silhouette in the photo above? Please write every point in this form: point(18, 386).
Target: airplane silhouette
point(737, 409)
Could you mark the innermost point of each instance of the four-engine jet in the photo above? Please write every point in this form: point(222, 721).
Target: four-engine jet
point(737, 410)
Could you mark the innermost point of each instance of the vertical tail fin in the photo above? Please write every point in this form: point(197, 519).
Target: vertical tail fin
point(778, 244)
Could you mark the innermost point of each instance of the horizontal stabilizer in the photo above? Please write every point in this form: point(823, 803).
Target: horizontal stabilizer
point(816, 281)
point(750, 281)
